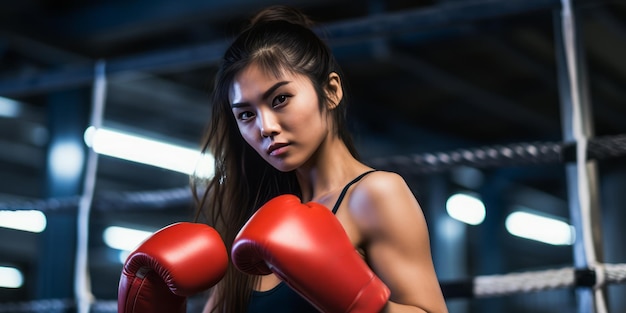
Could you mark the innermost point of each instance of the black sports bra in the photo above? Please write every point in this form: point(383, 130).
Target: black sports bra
point(282, 299)
point(345, 190)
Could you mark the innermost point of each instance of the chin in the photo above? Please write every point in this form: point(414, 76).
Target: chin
point(283, 166)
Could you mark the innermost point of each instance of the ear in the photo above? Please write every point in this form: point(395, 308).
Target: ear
point(334, 91)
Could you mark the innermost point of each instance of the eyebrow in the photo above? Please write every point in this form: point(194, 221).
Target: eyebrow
point(264, 96)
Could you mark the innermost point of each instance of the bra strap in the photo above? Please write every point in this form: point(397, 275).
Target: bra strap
point(345, 189)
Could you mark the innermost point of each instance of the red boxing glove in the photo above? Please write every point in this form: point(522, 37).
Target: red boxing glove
point(177, 261)
point(306, 246)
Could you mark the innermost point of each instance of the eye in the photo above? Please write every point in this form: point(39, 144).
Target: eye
point(280, 99)
point(245, 115)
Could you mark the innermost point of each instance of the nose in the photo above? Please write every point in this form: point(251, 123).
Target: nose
point(269, 124)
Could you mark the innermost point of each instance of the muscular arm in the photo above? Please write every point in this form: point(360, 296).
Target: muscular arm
point(396, 242)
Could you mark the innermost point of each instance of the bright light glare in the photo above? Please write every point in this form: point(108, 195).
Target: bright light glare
point(148, 151)
point(466, 208)
point(28, 220)
point(66, 159)
point(540, 228)
point(9, 108)
point(123, 238)
point(10, 277)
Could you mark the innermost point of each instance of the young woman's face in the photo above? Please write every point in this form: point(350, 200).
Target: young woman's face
point(278, 117)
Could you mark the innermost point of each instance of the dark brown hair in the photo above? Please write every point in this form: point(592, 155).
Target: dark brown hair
point(277, 39)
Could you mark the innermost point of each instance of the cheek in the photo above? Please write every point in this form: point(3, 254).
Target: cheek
point(246, 134)
point(250, 136)
point(315, 120)
point(308, 116)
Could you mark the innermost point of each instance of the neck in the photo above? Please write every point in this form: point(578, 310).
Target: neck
point(330, 168)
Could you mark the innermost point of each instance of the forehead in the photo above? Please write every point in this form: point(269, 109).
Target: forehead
point(254, 80)
point(255, 74)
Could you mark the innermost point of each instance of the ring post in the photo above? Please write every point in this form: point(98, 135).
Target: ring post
point(582, 176)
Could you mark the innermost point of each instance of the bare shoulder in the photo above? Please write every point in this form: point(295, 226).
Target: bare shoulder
point(382, 196)
point(380, 182)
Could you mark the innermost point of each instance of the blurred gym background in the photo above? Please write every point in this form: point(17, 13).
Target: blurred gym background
point(422, 77)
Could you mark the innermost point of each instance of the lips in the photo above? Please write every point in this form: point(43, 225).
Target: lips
point(275, 148)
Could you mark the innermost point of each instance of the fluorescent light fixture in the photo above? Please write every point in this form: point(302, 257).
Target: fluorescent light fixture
point(28, 220)
point(9, 107)
point(148, 151)
point(466, 208)
point(540, 228)
point(122, 238)
point(10, 277)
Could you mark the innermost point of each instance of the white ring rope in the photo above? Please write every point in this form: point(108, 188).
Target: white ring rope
point(82, 284)
point(512, 283)
point(523, 282)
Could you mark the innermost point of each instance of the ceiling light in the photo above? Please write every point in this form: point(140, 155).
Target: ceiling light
point(10, 277)
point(122, 238)
point(466, 208)
point(66, 159)
point(541, 228)
point(9, 107)
point(148, 151)
point(27, 220)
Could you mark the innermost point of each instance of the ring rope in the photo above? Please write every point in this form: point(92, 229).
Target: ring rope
point(478, 287)
point(532, 281)
point(82, 280)
point(415, 164)
point(523, 282)
point(526, 153)
point(108, 201)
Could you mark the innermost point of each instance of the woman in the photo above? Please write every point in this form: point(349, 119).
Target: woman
point(278, 127)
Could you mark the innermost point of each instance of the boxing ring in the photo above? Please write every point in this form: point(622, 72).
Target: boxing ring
point(519, 154)
point(578, 153)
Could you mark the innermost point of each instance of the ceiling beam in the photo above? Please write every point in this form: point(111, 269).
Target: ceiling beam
point(115, 21)
point(499, 106)
point(338, 33)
